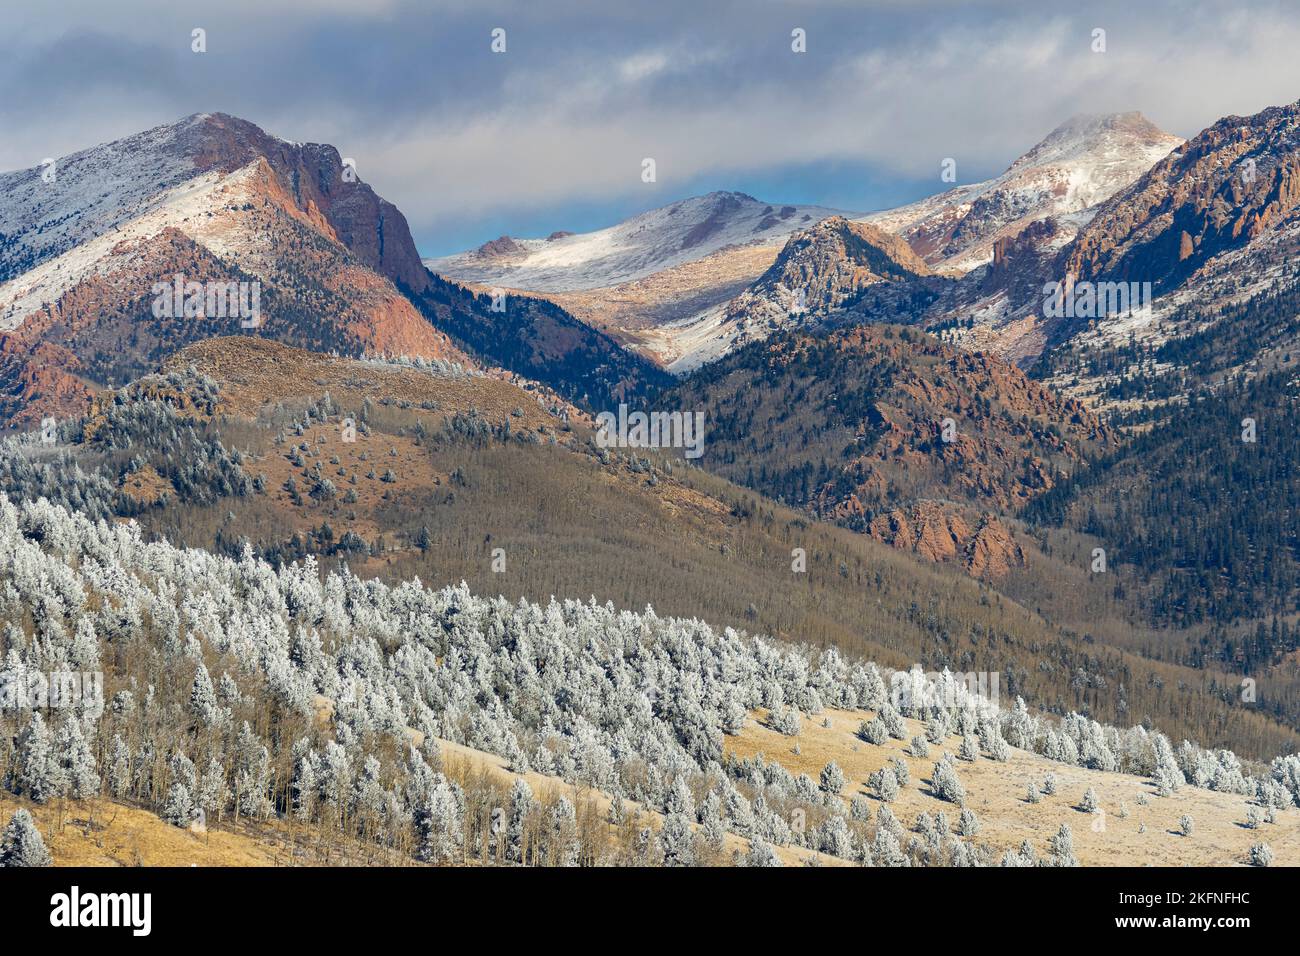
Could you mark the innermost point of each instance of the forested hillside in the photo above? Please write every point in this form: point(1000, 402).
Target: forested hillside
point(452, 476)
point(233, 689)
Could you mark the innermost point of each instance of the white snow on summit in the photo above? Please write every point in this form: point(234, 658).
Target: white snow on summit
point(1080, 164)
point(659, 239)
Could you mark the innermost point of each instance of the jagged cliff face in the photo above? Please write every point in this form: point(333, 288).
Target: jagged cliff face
point(373, 229)
point(1209, 227)
point(891, 432)
point(940, 533)
point(818, 271)
point(1226, 187)
point(215, 199)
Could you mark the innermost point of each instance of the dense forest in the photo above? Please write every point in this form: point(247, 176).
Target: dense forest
point(540, 341)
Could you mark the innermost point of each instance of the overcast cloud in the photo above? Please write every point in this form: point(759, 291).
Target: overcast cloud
point(551, 134)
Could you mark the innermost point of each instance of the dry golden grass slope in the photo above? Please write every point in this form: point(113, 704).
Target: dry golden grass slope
point(106, 833)
point(996, 793)
point(255, 373)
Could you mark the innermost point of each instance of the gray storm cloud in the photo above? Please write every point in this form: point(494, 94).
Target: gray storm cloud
point(451, 131)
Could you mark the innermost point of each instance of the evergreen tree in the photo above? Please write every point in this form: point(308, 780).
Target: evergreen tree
point(886, 850)
point(677, 841)
point(204, 707)
point(901, 774)
point(22, 844)
point(873, 732)
point(884, 784)
point(179, 808)
point(1089, 802)
point(521, 804)
point(832, 779)
point(1061, 847)
point(77, 771)
point(761, 854)
point(944, 782)
point(967, 824)
point(38, 775)
point(564, 833)
point(213, 794)
point(969, 748)
point(119, 768)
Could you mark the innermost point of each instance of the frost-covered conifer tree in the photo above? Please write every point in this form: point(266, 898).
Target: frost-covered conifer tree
point(836, 838)
point(521, 805)
point(119, 768)
point(1061, 847)
point(970, 749)
point(677, 841)
point(204, 707)
point(832, 779)
point(873, 732)
point(679, 799)
point(178, 810)
point(883, 783)
point(893, 721)
point(860, 808)
point(77, 770)
point(1261, 854)
point(967, 824)
point(901, 773)
point(212, 795)
point(563, 837)
point(936, 729)
point(886, 849)
point(761, 854)
point(438, 814)
point(21, 844)
point(37, 776)
point(305, 786)
point(944, 782)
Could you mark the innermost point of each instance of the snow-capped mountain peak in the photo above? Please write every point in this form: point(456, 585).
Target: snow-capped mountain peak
point(683, 231)
point(1081, 163)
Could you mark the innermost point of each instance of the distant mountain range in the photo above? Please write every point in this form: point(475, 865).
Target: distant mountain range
point(688, 282)
point(597, 317)
point(214, 200)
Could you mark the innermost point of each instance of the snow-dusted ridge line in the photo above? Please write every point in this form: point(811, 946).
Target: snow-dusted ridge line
point(682, 231)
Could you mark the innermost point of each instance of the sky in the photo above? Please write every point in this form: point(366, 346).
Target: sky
point(551, 133)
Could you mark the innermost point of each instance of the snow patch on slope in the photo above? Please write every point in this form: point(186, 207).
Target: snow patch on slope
point(92, 193)
point(190, 207)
